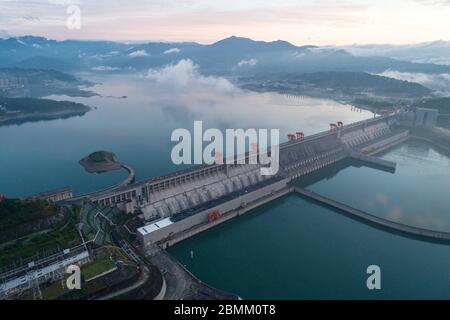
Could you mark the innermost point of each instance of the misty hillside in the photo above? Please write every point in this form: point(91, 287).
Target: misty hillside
point(356, 81)
point(338, 85)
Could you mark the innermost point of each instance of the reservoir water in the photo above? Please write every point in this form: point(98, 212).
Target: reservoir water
point(417, 194)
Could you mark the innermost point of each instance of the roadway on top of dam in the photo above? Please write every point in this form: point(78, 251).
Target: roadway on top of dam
point(410, 231)
point(127, 181)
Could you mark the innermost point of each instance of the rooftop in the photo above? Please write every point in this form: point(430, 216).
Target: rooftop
point(154, 226)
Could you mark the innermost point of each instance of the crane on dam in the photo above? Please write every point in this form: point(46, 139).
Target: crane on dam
point(300, 135)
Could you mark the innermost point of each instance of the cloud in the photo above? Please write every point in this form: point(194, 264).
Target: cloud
point(31, 18)
point(438, 82)
point(172, 50)
point(298, 55)
point(105, 68)
point(182, 93)
point(138, 53)
point(434, 2)
point(21, 42)
point(250, 62)
point(185, 74)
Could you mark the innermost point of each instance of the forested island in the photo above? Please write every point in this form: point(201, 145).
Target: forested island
point(100, 161)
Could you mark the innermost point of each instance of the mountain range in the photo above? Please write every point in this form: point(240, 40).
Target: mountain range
point(233, 56)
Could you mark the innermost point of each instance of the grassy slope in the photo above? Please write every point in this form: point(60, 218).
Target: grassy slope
point(60, 236)
point(15, 211)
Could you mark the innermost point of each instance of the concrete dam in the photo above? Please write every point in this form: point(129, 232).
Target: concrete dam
point(178, 205)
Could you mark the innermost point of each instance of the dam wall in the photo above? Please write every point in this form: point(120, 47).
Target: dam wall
point(297, 158)
point(172, 232)
point(173, 194)
point(365, 134)
point(179, 197)
point(374, 161)
point(385, 143)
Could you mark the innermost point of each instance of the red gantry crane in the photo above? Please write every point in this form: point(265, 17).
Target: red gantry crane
point(214, 215)
point(291, 137)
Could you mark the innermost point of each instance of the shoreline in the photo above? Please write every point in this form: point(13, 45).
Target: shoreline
point(31, 117)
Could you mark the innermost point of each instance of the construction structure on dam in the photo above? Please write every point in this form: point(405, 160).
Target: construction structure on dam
point(186, 202)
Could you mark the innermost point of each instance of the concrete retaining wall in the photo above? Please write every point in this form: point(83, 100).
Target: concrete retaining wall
point(425, 234)
point(385, 144)
point(172, 233)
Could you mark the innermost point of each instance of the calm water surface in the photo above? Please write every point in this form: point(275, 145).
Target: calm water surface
point(417, 194)
point(39, 156)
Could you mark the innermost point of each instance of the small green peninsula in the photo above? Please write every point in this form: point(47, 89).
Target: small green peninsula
point(100, 161)
point(20, 110)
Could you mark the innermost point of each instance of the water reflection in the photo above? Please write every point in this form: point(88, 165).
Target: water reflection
point(415, 195)
point(39, 118)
